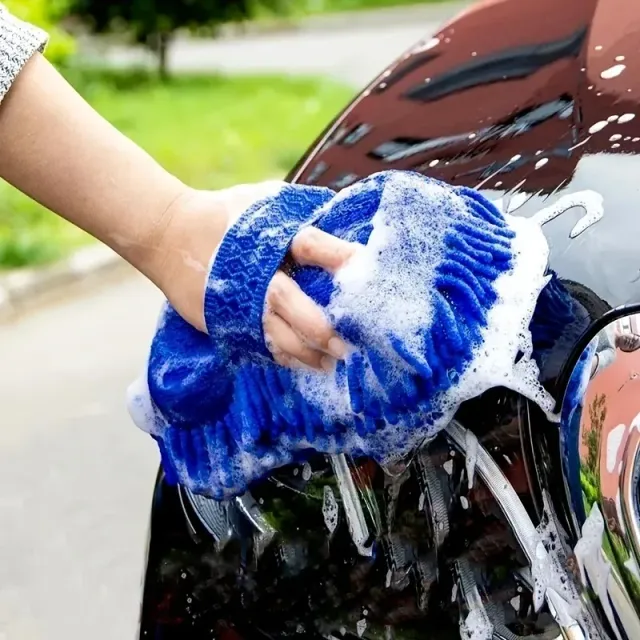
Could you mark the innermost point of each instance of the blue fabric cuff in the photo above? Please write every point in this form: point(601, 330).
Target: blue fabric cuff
point(248, 258)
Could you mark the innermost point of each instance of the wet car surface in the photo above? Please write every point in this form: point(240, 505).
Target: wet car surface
point(531, 102)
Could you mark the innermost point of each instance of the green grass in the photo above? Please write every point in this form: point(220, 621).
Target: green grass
point(334, 6)
point(209, 131)
point(294, 9)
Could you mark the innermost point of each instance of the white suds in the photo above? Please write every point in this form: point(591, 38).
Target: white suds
point(550, 580)
point(476, 626)
point(590, 201)
point(306, 472)
point(387, 291)
point(329, 509)
point(541, 163)
point(626, 117)
point(361, 627)
point(471, 456)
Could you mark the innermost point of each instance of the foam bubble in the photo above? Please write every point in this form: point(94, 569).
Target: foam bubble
point(329, 509)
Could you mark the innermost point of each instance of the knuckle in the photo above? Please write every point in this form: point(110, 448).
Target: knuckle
point(277, 290)
point(307, 241)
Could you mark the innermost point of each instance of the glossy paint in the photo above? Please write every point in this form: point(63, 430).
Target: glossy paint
point(531, 101)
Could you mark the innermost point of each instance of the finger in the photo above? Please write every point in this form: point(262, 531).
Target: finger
point(306, 319)
point(316, 248)
point(287, 346)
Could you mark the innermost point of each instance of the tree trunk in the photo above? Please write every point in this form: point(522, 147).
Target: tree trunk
point(160, 46)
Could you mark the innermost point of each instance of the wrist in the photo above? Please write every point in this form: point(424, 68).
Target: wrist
point(184, 242)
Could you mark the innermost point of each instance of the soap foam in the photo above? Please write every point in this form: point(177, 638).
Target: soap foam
point(476, 626)
point(402, 307)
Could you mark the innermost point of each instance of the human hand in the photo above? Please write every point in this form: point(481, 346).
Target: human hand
point(296, 329)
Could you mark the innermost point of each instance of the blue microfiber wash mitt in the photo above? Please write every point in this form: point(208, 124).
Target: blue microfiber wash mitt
point(435, 305)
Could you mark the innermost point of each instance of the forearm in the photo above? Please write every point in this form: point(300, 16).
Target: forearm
point(59, 151)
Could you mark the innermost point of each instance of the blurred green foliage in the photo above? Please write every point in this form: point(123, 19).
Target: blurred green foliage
point(153, 22)
point(299, 8)
point(47, 14)
point(210, 131)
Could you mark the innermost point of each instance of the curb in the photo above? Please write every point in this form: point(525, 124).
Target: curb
point(25, 288)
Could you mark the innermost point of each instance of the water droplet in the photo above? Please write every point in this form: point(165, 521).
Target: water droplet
point(615, 146)
point(183, 575)
point(499, 183)
point(471, 136)
point(635, 140)
point(612, 118)
point(598, 47)
point(306, 472)
point(433, 163)
point(613, 72)
point(626, 117)
point(619, 58)
point(539, 152)
point(365, 612)
point(614, 137)
point(474, 53)
point(541, 163)
point(598, 126)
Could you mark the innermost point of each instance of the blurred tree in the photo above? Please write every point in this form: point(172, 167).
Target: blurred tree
point(46, 14)
point(154, 22)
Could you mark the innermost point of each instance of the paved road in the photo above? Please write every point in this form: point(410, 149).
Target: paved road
point(75, 475)
point(337, 52)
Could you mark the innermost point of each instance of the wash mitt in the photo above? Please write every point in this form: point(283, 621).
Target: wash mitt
point(435, 306)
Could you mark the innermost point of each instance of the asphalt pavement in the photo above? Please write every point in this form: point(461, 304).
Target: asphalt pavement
point(75, 474)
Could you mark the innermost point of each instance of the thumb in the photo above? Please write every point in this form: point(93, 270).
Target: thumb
point(313, 247)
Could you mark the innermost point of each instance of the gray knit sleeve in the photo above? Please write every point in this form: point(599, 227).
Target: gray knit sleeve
point(18, 42)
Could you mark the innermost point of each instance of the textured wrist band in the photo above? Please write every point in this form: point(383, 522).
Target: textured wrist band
point(250, 254)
